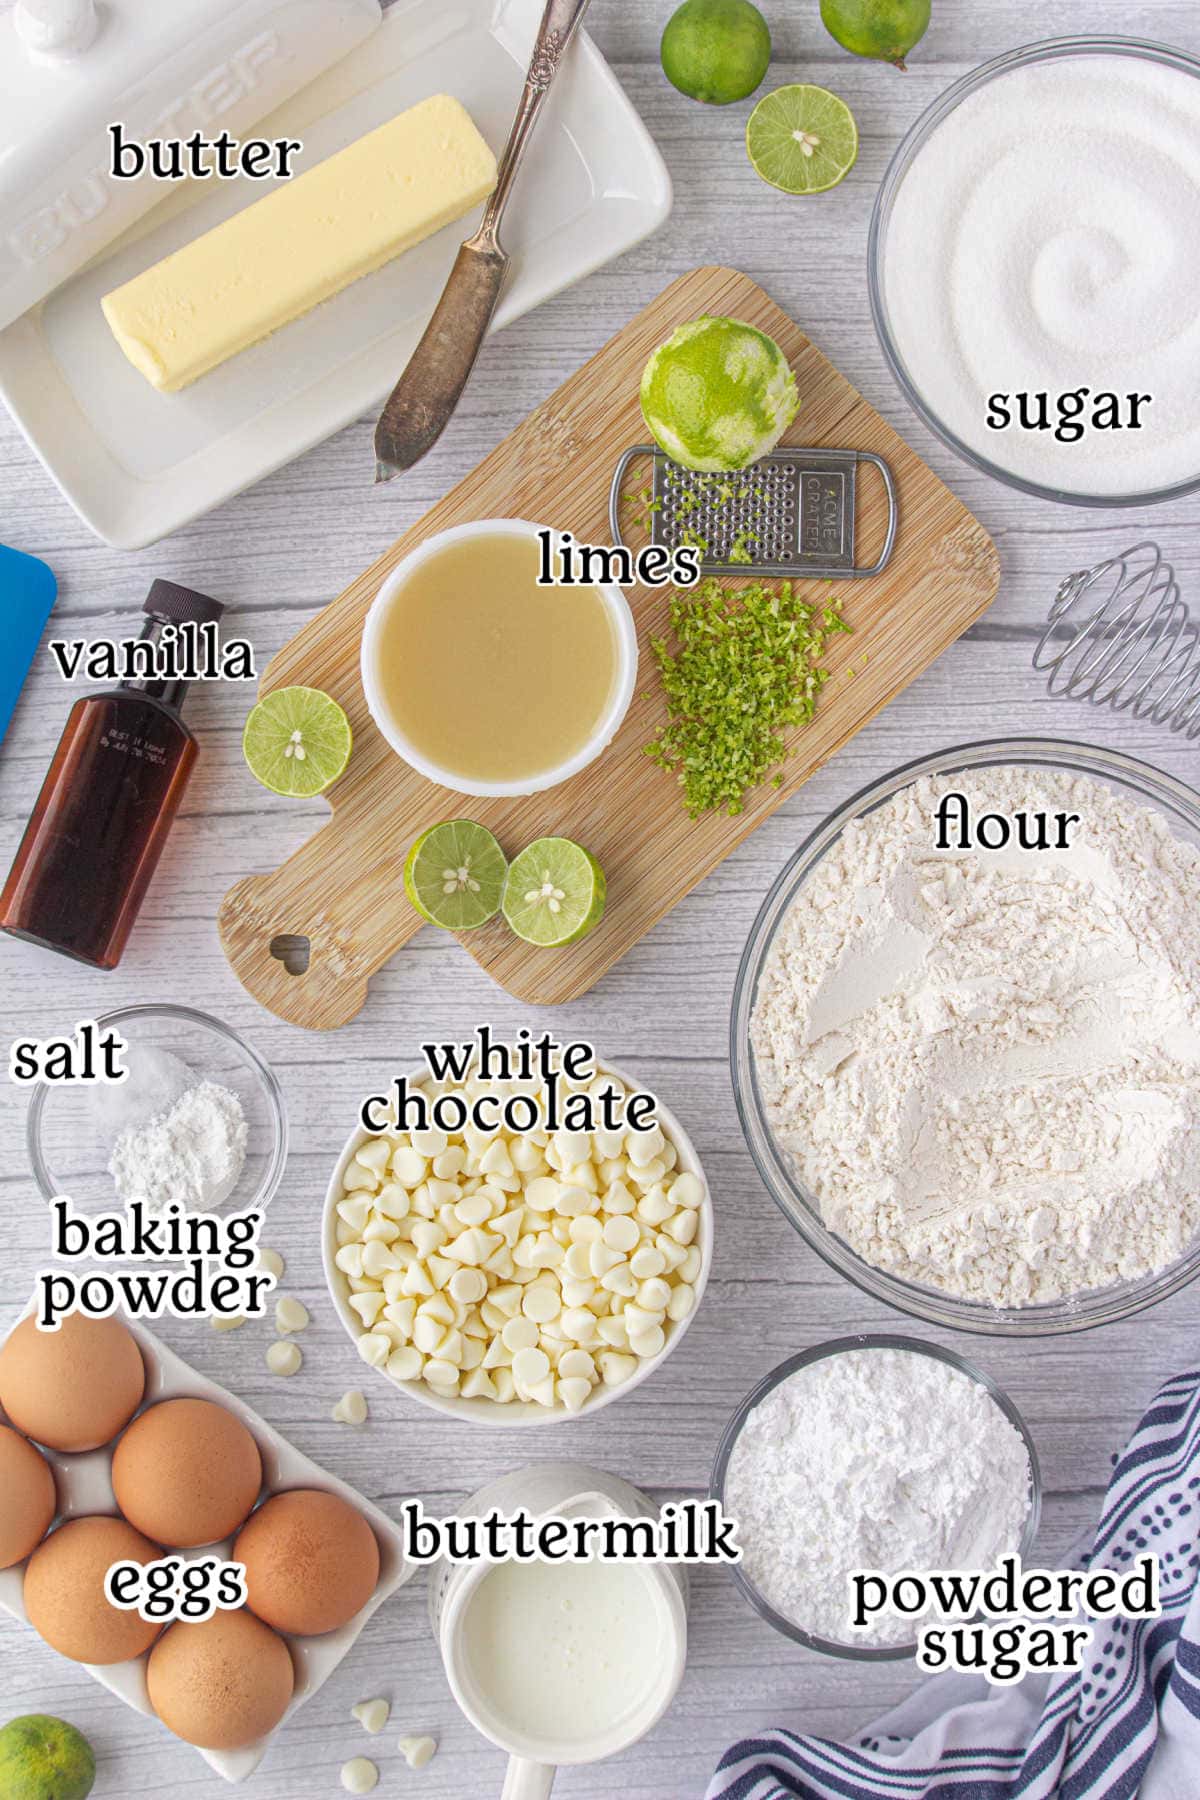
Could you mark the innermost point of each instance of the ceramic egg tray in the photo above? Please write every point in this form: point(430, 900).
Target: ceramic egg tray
point(85, 1486)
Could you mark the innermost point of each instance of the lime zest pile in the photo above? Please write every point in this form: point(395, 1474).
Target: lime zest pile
point(748, 667)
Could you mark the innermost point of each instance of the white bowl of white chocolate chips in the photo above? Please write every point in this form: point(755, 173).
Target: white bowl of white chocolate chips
point(521, 1278)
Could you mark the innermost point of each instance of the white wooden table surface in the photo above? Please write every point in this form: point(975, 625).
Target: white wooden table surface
point(282, 550)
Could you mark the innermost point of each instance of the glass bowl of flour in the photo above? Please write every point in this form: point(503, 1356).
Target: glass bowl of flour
point(872, 1452)
point(970, 1075)
point(199, 1118)
point(1033, 265)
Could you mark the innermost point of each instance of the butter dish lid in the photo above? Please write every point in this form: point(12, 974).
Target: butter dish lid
point(71, 68)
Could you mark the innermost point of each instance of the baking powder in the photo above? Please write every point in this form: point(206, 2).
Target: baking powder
point(875, 1459)
point(986, 1065)
point(192, 1153)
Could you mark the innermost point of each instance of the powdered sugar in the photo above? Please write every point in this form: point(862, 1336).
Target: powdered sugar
point(876, 1459)
point(192, 1153)
point(986, 1065)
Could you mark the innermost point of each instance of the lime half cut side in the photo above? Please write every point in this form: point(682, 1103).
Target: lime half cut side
point(554, 893)
point(802, 139)
point(297, 741)
point(454, 875)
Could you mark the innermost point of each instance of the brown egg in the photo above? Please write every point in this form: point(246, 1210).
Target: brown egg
point(28, 1498)
point(71, 1389)
point(222, 1682)
point(186, 1472)
point(64, 1591)
point(311, 1561)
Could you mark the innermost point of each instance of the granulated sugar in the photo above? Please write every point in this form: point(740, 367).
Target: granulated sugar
point(986, 1065)
point(876, 1459)
point(1044, 241)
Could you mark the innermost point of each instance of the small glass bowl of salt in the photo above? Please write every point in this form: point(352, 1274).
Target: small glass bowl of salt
point(198, 1118)
point(789, 1486)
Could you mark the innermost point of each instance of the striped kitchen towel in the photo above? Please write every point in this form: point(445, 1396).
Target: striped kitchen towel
point(1126, 1724)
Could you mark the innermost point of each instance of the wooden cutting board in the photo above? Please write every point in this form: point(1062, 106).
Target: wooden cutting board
point(343, 890)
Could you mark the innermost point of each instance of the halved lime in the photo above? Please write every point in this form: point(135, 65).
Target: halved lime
point(802, 139)
point(454, 875)
point(554, 892)
point(297, 740)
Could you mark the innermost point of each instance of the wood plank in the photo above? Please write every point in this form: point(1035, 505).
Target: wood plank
point(342, 889)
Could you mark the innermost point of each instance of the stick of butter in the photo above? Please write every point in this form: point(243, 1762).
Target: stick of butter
point(302, 243)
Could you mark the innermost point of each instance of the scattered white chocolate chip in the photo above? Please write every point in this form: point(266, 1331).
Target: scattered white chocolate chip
point(284, 1358)
point(226, 1321)
point(271, 1261)
point(290, 1314)
point(372, 1715)
point(532, 1267)
point(351, 1409)
point(359, 1775)
point(417, 1751)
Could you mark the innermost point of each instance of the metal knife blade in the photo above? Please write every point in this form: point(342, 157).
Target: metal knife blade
point(430, 388)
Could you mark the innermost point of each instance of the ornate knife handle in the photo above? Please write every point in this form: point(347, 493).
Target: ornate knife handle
point(559, 24)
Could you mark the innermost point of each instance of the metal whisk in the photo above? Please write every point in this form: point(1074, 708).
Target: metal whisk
point(1120, 636)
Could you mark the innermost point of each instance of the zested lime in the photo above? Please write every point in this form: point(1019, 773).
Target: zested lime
point(554, 893)
point(454, 875)
point(297, 740)
point(802, 139)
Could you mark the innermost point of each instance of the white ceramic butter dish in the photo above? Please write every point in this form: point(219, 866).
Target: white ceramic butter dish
point(137, 464)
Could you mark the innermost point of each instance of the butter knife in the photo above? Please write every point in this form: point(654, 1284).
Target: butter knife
point(420, 404)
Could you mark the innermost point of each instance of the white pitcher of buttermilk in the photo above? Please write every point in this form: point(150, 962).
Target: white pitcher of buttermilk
point(560, 1662)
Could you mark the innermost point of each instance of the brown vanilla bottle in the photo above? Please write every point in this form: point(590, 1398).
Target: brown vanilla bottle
point(107, 804)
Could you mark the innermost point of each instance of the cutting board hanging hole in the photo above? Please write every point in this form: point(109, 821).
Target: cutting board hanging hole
point(292, 951)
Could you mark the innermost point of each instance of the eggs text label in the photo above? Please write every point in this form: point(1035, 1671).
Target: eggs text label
point(542, 1065)
point(219, 1253)
point(174, 1588)
point(88, 1055)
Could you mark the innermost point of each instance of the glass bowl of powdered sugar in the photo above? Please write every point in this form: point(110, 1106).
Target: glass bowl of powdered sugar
point(198, 1118)
point(871, 1453)
point(966, 1038)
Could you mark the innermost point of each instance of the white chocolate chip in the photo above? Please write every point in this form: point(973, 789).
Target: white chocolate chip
point(290, 1315)
point(227, 1321)
point(418, 1751)
point(372, 1715)
point(351, 1409)
point(359, 1775)
point(515, 1266)
point(271, 1261)
point(283, 1357)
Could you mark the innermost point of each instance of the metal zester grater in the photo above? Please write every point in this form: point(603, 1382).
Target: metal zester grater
point(791, 513)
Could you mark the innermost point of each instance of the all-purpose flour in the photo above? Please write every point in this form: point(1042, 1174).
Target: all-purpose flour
point(872, 1460)
point(986, 1065)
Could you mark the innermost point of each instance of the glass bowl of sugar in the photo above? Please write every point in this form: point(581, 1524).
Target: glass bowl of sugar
point(198, 1117)
point(872, 1452)
point(1032, 267)
point(971, 1079)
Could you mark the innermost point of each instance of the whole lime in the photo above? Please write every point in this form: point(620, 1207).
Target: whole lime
point(718, 394)
point(45, 1759)
point(716, 50)
point(884, 29)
